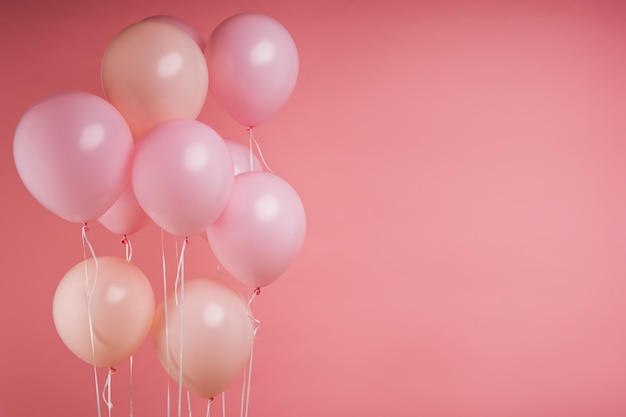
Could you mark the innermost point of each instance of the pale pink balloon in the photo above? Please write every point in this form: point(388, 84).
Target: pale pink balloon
point(217, 336)
point(153, 72)
point(241, 157)
point(122, 310)
point(253, 66)
point(261, 230)
point(184, 26)
point(125, 216)
point(73, 151)
point(182, 176)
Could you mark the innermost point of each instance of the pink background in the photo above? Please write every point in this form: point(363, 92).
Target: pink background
point(463, 167)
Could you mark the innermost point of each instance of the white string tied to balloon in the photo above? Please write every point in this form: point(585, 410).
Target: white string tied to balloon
point(246, 385)
point(179, 298)
point(106, 390)
point(252, 141)
point(128, 249)
point(89, 293)
point(208, 406)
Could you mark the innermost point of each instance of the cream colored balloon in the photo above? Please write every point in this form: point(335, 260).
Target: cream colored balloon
point(152, 72)
point(217, 335)
point(122, 309)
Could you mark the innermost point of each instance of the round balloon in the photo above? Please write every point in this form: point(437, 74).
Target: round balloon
point(153, 72)
point(182, 176)
point(261, 230)
point(73, 152)
point(217, 335)
point(122, 310)
point(253, 66)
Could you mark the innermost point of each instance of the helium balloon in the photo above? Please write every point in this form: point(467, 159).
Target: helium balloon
point(73, 152)
point(122, 310)
point(253, 66)
point(217, 335)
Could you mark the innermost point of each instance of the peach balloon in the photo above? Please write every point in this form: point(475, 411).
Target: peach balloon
point(153, 72)
point(122, 309)
point(218, 332)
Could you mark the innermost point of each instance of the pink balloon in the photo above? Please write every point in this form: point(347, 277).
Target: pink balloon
point(73, 152)
point(122, 310)
point(182, 176)
point(241, 157)
point(153, 72)
point(184, 26)
point(125, 216)
point(261, 231)
point(217, 331)
point(253, 66)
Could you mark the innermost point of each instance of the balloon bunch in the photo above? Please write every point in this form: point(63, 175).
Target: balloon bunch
point(139, 155)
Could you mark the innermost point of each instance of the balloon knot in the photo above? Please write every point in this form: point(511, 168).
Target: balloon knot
point(85, 227)
point(113, 370)
point(124, 241)
point(211, 399)
point(257, 291)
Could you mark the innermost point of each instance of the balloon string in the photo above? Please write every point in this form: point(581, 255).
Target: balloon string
point(129, 248)
point(88, 294)
point(247, 380)
point(167, 333)
point(106, 391)
point(208, 406)
point(180, 281)
point(250, 139)
point(180, 271)
point(258, 148)
point(189, 403)
point(87, 244)
point(257, 322)
point(223, 404)
point(131, 386)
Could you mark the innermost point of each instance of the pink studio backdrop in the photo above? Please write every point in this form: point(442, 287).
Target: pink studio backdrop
point(463, 168)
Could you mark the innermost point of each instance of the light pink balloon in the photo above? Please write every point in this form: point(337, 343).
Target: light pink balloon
point(122, 310)
point(73, 152)
point(217, 331)
point(253, 66)
point(182, 176)
point(241, 157)
point(153, 72)
point(261, 231)
point(184, 26)
point(125, 216)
